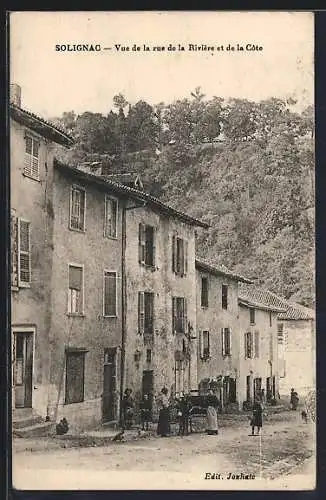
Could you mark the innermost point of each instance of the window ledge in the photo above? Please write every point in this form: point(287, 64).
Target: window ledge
point(37, 179)
point(150, 267)
point(24, 285)
point(110, 316)
point(15, 289)
point(227, 356)
point(108, 237)
point(83, 231)
point(76, 315)
point(204, 307)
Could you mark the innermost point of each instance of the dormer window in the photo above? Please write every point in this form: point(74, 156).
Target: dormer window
point(31, 161)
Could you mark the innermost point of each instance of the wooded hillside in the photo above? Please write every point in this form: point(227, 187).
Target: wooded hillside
point(245, 167)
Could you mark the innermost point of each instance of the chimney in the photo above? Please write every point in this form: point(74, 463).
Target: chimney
point(15, 94)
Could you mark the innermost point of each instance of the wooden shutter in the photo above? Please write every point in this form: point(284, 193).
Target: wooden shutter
point(154, 245)
point(14, 249)
point(110, 294)
point(223, 343)
point(141, 312)
point(185, 268)
point(174, 253)
point(185, 316)
point(230, 340)
point(245, 345)
point(75, 363)
point(174, 314)
point(256, 344)
point(142, 242)
point(201, 345)
point(24, 256)
point(182, 257)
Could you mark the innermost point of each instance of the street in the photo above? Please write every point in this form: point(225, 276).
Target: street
point(197, 461)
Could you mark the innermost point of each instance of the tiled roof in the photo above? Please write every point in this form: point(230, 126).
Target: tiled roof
point(41, 126)
point(287, 310)
point(220, 270)
point(133, 193)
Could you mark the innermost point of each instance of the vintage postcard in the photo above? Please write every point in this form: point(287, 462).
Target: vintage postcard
point(162, 250)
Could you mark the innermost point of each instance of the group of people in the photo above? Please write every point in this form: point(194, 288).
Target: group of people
point(182, 405)
point(183, 408)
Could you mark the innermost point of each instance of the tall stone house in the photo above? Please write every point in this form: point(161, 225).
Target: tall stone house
point(219, 352)
point(103, 285)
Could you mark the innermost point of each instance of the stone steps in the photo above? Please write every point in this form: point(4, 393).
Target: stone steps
point(38, 429)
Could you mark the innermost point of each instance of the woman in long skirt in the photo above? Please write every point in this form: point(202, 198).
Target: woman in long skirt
point(212, 405)
point(163, 427)
point(257, 417)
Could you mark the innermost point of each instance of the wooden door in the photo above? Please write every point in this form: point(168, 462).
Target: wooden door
point(23, 369)
point(109, 385)
point(148, 384)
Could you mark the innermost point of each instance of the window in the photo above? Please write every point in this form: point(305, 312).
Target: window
point(146, 245)
point(226, 342)
point(110, 217)
point(179, 315)
point(110, 294)
point(179, 256)
point(148, 356)
point(270, 319)
point(146, 313)
point(75, 292)
point(256, 344)
point(204, 292)
point(224, 297)
point(75, 368)
point(204, 345)
point(24, 253)
point(252, 316)
point(248, 345)
point(206, 351)
point(31, 163)
point(280, 334)
point(77, 208)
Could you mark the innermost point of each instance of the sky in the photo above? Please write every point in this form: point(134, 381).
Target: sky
point(55, 81)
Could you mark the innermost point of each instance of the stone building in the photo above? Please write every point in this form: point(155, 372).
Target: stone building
point(31, 172)
point(259, 360)
point(297, 349)
point(218, 332)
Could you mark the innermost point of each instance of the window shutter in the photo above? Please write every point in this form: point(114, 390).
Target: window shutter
point(208, 344)
point(173, 253)
point(174, 313)
point(182, 257)
point(154, 245)
point(201, 345)
point(185, 267)
point(110, 294)
point(185, 316)
point(141, 312)
point(230, 340)
point(245, 346)
point(14, 249)
point(141, 238)
point(256, 344)
point(24, 257)
point(223, 343)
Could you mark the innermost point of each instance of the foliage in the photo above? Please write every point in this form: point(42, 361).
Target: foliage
point(247, 168)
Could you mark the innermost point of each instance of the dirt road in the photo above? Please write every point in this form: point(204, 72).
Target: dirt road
point(176, 462)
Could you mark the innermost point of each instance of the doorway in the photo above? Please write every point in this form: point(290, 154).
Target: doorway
point(257, 388)
point(148, 384)
point(109, 385)
point(248, 388)
point(23, 369)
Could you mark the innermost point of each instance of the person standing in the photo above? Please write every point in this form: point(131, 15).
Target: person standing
point(257, 417)
point(128, 409)
point(163, 426)
point(183, 414)
point(294, 399)
point(212, 406)
point(146, 412)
